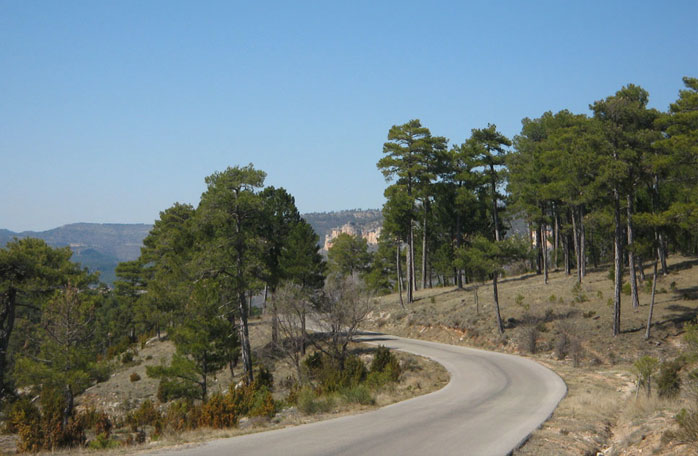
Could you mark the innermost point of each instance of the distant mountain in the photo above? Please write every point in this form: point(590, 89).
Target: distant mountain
point(101, 246)
point(97, 246)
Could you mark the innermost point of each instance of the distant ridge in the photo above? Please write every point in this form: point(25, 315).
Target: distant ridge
point(97, 246)
point(101, 246)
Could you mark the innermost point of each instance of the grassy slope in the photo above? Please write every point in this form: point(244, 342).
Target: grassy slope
point(598, 412)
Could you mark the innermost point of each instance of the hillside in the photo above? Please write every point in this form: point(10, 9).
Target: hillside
point(568, 328)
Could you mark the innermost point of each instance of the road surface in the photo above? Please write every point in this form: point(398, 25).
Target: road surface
point(490, 406)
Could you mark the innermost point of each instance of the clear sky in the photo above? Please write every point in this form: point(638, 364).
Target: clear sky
point(113, 111)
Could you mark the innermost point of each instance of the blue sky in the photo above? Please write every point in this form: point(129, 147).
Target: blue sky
point(113, 111)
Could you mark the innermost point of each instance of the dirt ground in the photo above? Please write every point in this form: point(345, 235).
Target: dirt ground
point(600, 413)
point(119, 395)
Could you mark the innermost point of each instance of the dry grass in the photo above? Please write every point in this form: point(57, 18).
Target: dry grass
point(572, 323)
point(119, 394)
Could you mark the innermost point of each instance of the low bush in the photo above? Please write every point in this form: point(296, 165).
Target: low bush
point(528, 339)
point(218, 412)
point(102, 441)
point(135, 377)
point(668, 379)
point(175, 389)
point(309, 403)
point(359, 394)
point(385, 361)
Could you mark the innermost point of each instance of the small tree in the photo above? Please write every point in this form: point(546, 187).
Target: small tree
point(645, 368)
point(205, 342)
point(484, 257)
point(292, 304)
point(343, 307)
point(348, 255)
point(64, 359)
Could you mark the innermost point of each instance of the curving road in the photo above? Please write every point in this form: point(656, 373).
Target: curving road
point(490, 406)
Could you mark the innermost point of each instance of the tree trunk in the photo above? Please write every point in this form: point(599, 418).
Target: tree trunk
point(69, 403)
point(399, 275)
point(582, 243)
point(410, 270)
point(654, 288)
point(566, 243)
point(494, 204)
point(303, 341)
point(274, 324)
point(477, 301)
point(500, 326)
point(631, 256)
point(245, 339)
point(641, 268)
point(424, 248)
point(662, 254)
point(7, 322)
point(544, 246)
point(539, 254)
point(575, 235)
point(618, 263)
point(557, 237)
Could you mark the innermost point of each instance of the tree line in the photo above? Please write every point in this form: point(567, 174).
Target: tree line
point(620, 184)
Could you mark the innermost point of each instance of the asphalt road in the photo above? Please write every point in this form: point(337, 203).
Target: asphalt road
point(490, 406)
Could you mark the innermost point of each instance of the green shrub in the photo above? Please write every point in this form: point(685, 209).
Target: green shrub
point(175, 389)
point(384, 361)
point(688, 425)
point(668, 380)
point(309, 404)
point(359, 394)
point(262, 403)
point(145, 415)
point(626, 288)
point(330, 376)
point(182, 415)
point(102, 441)
point(127, 357)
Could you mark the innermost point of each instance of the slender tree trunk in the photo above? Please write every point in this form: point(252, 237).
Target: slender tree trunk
point(424, 248)
point(399, 275)
point(7, 322)
point(477, 301)
point(69, 404)
point(557, 237)
point(662, 254)
point(413, 260)
point(582, 243)
point(575, 235)
point(500, 326)
point(544, 246)
point(631, 255)
point(410, 269)
point(641, 268)
point(654, 288)
point(303, 332)
point(566, 243)
point(495, 216)
point(618, 263)
point(539, 254)
point(274, 324)
point(246, 350)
